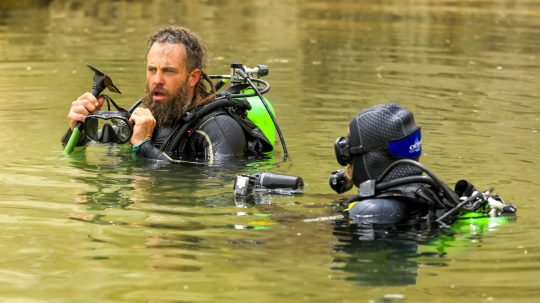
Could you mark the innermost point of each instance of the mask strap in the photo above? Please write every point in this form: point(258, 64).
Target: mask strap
point(109, 101)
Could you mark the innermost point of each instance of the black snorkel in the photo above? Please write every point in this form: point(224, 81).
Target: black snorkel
point(101, 81)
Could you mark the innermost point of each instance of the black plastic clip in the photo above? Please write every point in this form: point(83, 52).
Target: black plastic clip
point(188, 115)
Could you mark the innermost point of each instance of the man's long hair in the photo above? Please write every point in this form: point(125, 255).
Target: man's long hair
point(195, 57)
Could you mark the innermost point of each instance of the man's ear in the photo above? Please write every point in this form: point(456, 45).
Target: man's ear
point(194, 77)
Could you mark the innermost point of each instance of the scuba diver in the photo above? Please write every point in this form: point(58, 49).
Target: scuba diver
point(381, 154)
point(182, 118)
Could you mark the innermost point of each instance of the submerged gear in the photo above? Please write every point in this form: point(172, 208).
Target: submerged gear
point(377, 137)
point(426, 196)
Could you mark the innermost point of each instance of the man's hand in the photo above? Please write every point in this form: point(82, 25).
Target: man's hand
point(81, 107)
point(144, 125)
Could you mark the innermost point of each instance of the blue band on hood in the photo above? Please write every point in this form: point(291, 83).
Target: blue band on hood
point(409, 147)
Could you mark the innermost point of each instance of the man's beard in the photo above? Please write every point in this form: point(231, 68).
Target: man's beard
point(167, 113)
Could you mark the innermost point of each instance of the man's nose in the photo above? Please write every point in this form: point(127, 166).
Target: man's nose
point(158, 79)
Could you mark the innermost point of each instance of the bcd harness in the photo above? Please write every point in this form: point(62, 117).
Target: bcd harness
point(443, 202)
point(190, 121)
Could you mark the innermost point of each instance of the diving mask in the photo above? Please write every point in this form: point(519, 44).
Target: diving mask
point(408, 147)
point(109, 127)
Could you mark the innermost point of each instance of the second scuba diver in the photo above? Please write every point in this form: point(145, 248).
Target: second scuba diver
point(182, 117)
point(381, 154)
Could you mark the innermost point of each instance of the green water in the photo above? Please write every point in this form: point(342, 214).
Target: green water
point(100, 227)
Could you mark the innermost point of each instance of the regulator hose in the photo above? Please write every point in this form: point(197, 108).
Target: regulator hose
point(192, 117)
point(405, 180)
point(398, 182)
point(431, 179)
point(437, 182)
point(248, 80)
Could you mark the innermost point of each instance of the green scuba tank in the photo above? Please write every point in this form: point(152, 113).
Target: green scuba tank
point(260, 117)
point(246, 83)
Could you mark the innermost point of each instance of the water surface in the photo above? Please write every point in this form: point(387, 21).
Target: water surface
point(100, 226)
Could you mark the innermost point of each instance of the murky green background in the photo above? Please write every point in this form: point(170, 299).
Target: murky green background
point(98, 226)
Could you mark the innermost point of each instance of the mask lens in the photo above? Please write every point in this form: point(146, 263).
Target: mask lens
point(341, 148)
point(91, 127)
point(107, 128)
point(122, 129)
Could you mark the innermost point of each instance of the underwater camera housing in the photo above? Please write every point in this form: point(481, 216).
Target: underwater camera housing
point(245, 184)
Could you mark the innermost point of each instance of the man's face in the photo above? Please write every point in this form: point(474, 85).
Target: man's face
point(169, 86)
point(166, 71)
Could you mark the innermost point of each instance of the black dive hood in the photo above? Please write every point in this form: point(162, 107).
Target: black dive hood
point(383, 134)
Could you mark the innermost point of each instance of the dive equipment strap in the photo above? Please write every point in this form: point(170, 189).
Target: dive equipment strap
point(191, 118)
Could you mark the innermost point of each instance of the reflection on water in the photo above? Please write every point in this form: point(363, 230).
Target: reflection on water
point(101, 224)
point(391, 256)
point(377, 256)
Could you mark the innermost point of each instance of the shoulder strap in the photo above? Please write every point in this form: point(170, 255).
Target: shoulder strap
point(420, 193)
point(190, 118)
point(256, 141)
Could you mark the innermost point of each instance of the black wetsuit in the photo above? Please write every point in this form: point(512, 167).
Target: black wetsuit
point(217, 136)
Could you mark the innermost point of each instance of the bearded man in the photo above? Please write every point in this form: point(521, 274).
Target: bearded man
point(175, 87)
